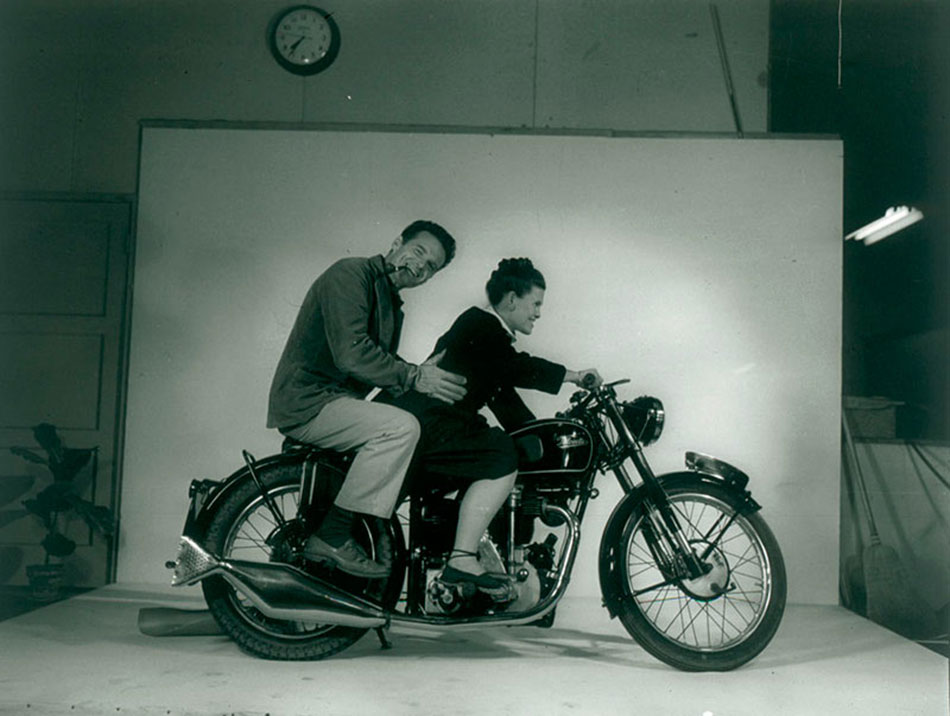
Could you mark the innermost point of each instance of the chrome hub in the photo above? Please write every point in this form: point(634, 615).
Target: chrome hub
point(715, 582)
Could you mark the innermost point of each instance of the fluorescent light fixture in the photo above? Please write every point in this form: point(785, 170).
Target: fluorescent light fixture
point(894, 219)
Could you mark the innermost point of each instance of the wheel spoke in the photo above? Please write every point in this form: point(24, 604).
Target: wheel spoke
point(248, 539)
point(685, 608)
point(693, 613)
point(652, 587)
point(725, 618)
point(261, 537)
point(718, 541)
point(672, 594)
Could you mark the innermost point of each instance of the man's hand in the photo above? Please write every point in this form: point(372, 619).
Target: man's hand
point(587, 379)
point(441, 384)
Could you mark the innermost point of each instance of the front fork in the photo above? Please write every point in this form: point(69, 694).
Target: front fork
point(665, 532)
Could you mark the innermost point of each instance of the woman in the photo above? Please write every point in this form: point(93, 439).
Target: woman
point(458, 446)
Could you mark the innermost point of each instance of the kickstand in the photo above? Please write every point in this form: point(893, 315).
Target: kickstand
point(383, 638)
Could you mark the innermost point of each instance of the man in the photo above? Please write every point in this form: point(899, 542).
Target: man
point(459, 449)
point(343, 344)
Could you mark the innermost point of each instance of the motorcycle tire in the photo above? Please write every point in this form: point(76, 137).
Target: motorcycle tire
point(244, 528)
point(716, 622)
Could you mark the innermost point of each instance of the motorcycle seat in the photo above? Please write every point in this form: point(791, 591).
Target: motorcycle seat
point(291, 445)
point(312, 452)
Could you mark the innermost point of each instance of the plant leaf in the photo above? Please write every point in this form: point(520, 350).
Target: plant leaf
point(57, 544)
point(98, 517)
point(28, 454)
point(45, 434)
point(72, 461)
point(56, 497)
point(39, 509)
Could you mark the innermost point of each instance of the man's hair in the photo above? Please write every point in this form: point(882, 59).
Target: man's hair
point(444, 237)
point(518, 275)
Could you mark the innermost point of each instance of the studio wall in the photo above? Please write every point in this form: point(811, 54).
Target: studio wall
point(78, 77)
point(706, 270)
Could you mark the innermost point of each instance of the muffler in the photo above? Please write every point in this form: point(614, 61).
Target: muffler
point(279, 591)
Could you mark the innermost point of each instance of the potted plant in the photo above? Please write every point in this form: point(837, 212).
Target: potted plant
point(55, 501)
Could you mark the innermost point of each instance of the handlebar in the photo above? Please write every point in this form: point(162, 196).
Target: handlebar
point(588, 392)
point(603, 388)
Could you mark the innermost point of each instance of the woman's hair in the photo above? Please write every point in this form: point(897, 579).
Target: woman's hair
point(518, 275)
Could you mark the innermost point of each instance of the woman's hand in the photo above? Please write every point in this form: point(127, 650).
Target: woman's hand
point(588, 378)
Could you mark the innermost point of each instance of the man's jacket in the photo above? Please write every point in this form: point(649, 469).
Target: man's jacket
point(343, 342)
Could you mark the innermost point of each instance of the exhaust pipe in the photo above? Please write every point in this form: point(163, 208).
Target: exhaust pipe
point(279, 591)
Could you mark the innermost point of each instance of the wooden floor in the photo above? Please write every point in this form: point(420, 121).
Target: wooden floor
point(86, 656)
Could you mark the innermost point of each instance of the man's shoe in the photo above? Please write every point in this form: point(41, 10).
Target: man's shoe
point(347, 558)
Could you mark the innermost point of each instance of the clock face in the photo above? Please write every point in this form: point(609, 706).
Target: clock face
point(304, 39)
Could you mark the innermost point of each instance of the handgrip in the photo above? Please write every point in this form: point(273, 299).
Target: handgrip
point(589, 381)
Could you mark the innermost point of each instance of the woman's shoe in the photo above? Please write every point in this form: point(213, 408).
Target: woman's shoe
point(498, 588)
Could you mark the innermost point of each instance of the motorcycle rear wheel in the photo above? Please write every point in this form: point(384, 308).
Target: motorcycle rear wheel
point(717, 622)
point(244, 528)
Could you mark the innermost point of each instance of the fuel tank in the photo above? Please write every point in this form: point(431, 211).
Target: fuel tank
point(554, 449)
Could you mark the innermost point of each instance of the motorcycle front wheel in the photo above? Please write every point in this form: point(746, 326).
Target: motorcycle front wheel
point(720, 620)
point(245, 528)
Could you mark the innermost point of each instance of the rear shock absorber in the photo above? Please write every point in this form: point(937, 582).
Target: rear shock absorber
point(514, 504)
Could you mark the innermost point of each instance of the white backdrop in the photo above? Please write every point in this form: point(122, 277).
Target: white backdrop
point(707, 270)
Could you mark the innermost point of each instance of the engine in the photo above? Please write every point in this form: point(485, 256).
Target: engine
point(529, 572)
point(554, 458)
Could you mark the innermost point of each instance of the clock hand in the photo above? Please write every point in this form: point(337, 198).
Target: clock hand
point(293, 47)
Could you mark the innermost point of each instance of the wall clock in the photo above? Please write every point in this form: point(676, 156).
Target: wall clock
point(304, 39)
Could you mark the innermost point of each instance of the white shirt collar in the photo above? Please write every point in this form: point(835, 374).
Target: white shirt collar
point(491, 309)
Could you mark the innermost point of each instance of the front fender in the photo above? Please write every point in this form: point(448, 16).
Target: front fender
point(610, 579)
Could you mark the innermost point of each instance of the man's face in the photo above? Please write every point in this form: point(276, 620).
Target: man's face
point(416, 260)
point(522, 311)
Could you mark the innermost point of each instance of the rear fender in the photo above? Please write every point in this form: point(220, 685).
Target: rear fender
point(610, 579)
point(207, 495)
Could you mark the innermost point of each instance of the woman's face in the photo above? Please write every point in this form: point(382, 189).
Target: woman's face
point(520, 312)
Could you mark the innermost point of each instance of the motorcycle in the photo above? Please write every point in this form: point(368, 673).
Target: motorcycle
point(686, 562)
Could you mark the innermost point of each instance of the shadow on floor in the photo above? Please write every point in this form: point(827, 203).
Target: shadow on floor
point(938, 642)
point(15, 601)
